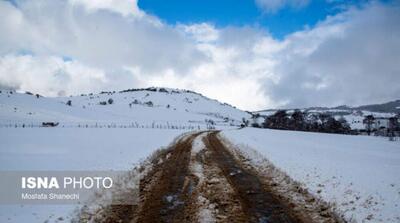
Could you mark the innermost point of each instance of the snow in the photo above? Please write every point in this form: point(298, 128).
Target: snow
point(205, 215)
point(79, 148)
point(358, 174)
point(355, 121)
point(195, 166)
point(205, 212)
point(197, 144)
point(72, 149)
point(167, 108)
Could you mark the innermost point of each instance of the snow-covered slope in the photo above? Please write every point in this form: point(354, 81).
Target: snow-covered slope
point(151, 106)
point(357, 174)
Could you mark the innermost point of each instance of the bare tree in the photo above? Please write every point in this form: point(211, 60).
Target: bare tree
point(368, 122)
point(392, 127)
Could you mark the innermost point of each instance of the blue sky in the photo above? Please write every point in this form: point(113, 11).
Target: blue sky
point(223, 13)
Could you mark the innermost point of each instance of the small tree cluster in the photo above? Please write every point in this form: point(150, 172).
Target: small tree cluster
point(299, 122)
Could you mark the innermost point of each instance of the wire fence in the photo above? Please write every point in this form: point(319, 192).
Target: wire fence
point(145, 125)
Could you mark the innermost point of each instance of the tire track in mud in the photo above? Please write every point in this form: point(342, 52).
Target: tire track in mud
point(171, 192)
point(217, 200)
point(258, 204)
point(165, 191)
point(207, 184)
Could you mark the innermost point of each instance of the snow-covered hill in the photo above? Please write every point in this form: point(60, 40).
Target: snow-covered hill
point(150, 106)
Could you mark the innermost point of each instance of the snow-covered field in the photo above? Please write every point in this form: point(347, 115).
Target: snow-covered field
point(358, 174)
point(79, 148)
point(29, 149)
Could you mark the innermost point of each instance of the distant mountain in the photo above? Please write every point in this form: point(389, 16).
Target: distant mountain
point(148, 106)
point(392, 106)
point(389, 107)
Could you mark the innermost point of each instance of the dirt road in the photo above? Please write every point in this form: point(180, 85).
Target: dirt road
point(200, 179)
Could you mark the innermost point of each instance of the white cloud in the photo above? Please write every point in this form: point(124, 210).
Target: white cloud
point(49, 75)
point(202, 32)
point(100, 39)
point(271, 6)
point(347, 58)
point(124, 7)
point(231, 75)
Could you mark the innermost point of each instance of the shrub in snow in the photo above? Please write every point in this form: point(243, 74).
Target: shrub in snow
point(149, 103)
point(152, 89)
point(163, 90)
point(210, 123)
point(245, 123)
point(69, 103)
point(110, 101)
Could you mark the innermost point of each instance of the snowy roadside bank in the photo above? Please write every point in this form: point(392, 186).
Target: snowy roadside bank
point(358, 174)
point(79, 148)
point(72, 149)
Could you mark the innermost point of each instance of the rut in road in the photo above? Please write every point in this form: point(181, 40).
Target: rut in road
point(164, 192)
point(258, 204)
point(198, 179)
point(168, 193)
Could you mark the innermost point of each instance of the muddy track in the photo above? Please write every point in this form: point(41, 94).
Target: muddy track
point(164, 192)
point(168, 193)
point(200, 179)
point(259, 204)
